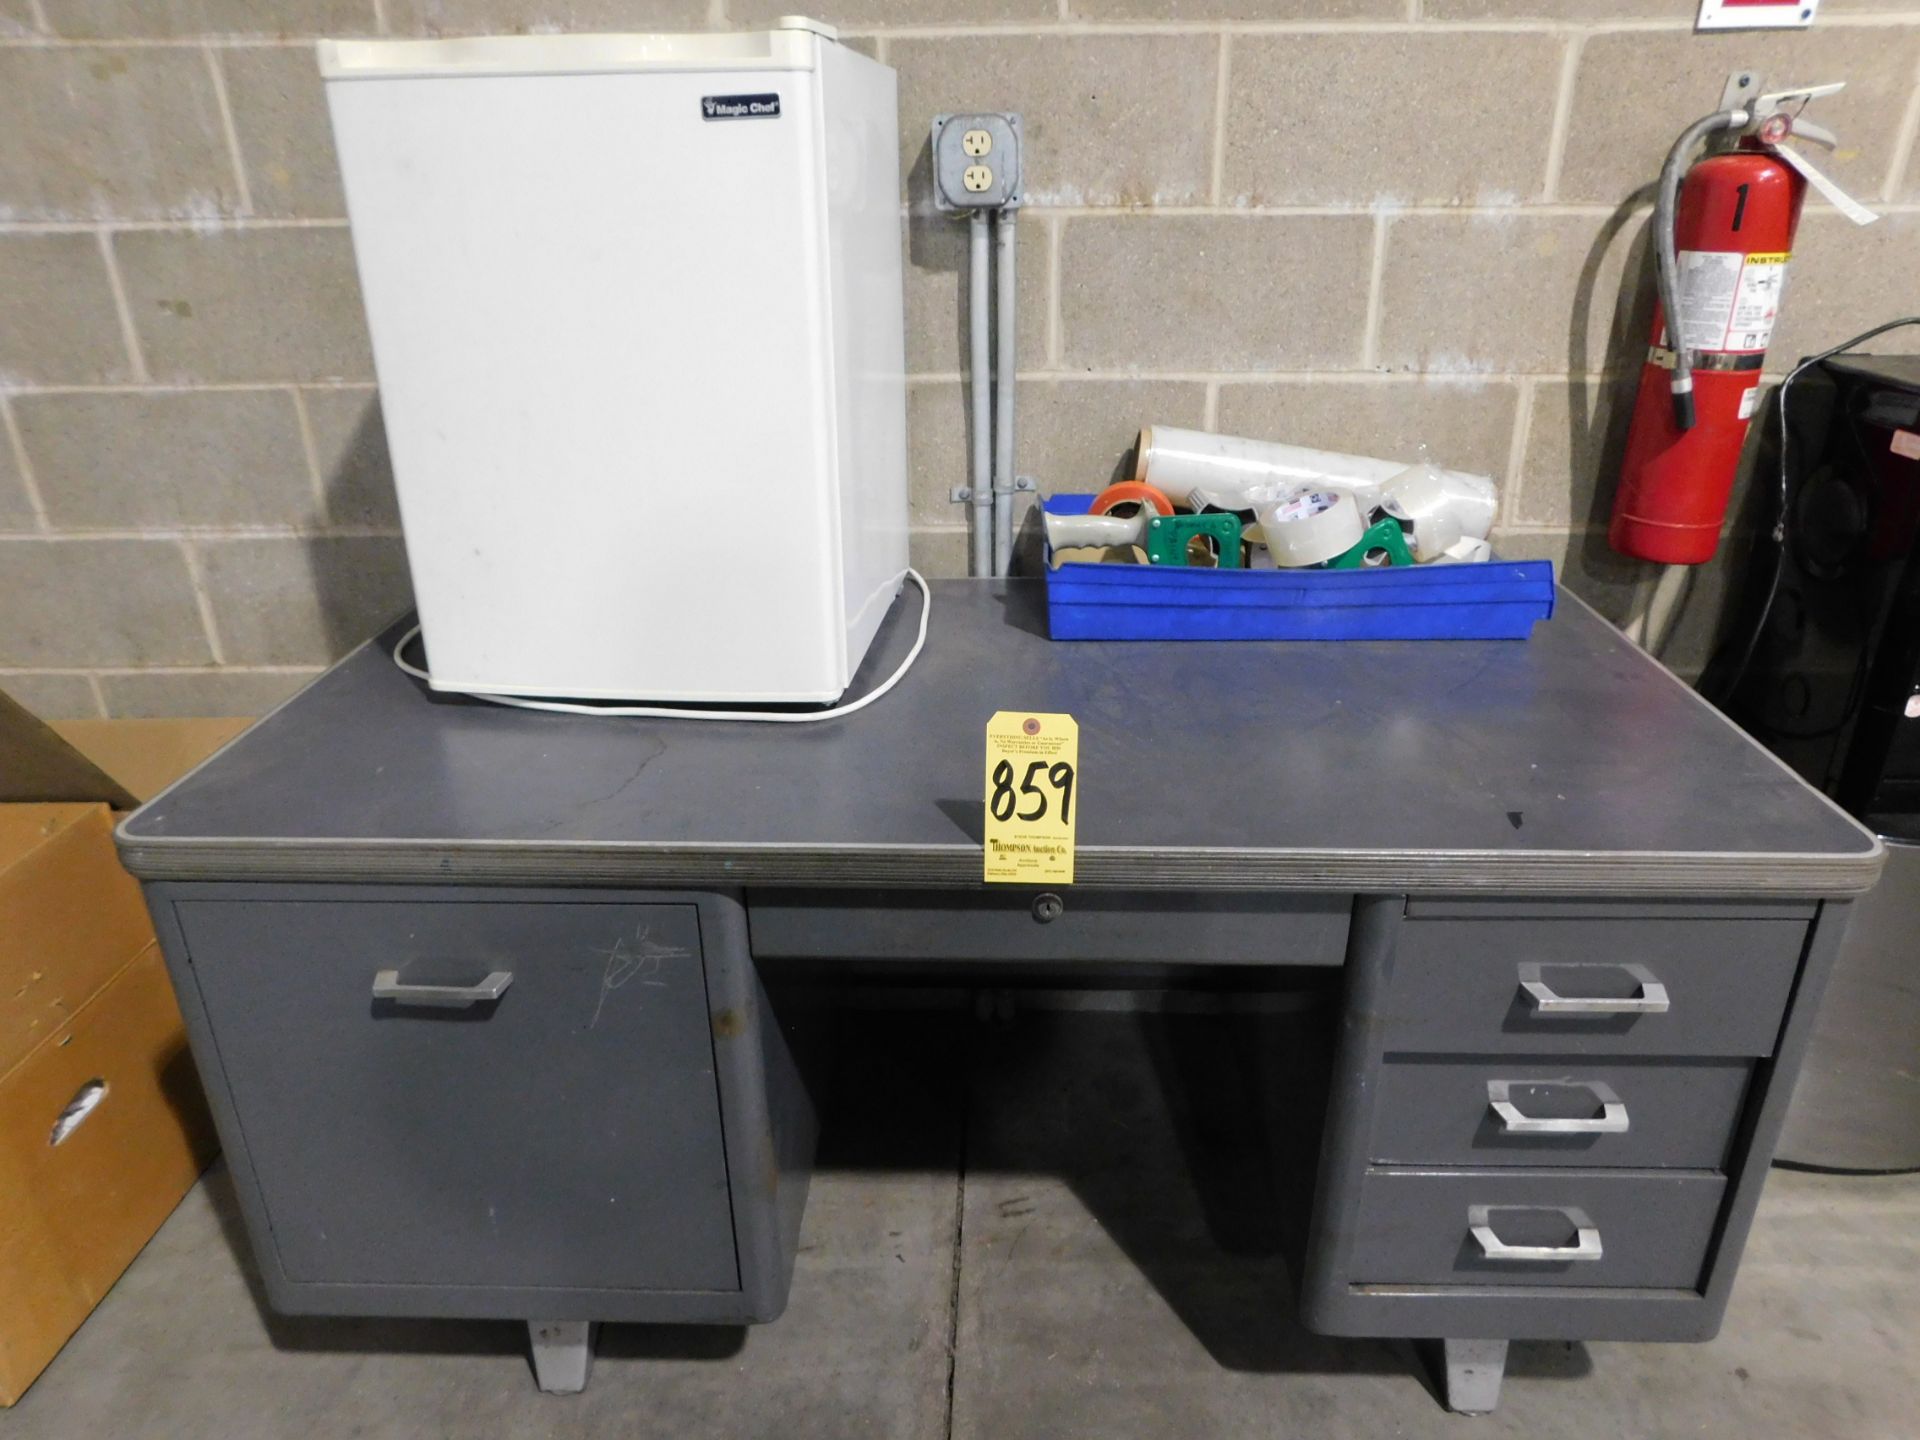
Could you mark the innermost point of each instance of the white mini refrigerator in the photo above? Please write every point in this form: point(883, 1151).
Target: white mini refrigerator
point(636, 313)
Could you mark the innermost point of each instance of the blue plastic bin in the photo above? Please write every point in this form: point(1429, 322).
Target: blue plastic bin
point(1500, 600)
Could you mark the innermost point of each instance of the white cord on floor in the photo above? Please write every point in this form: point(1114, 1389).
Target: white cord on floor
point(669, 712)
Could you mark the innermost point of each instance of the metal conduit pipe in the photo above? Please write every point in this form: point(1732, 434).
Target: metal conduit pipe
point(980, 527)
point(1669, 594)
point(1006, 373)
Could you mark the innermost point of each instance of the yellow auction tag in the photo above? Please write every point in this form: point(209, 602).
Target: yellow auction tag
point(1032, 806)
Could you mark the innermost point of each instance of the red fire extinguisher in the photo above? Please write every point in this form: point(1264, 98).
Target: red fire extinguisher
point(1722, 239)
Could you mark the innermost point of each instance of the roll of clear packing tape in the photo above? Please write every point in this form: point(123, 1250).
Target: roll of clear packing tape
point(1195, 468)
point(1467, 552)
point(1442, 507)
point(1255, 539)
point(1308, 526)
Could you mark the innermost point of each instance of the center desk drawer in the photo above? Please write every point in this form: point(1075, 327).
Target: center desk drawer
point(1627, 986)
point(1022, 923)
point(1585, 1228)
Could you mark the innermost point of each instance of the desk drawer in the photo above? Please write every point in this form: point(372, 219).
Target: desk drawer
point(1008, 924)
point(1586, 1228)
point(402, 1138)
point(1648, 1114)
point(1630, 986)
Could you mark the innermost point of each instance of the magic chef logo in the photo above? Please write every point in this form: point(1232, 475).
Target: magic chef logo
point(740, 107)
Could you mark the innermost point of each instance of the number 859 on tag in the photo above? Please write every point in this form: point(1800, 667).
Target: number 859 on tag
point(1032, 765)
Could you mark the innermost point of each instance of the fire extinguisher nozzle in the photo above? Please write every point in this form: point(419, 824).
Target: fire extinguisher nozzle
point(1683, 416)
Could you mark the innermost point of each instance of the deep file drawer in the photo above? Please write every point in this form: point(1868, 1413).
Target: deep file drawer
point(1631, 986)
point(1587, 1228)
point(1016, 923)
point(406, 1130)
point(1653, 1114)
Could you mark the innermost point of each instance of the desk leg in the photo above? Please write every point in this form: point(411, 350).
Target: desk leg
point(1471, 1371)
point(563, 1354)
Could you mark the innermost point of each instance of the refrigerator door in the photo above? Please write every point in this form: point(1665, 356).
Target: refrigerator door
point(598, 309)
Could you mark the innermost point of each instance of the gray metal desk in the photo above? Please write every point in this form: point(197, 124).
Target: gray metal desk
point(1585, 924)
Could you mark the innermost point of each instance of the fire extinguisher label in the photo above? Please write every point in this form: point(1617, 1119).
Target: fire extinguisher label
point(1728, 300)
point(1757, 305)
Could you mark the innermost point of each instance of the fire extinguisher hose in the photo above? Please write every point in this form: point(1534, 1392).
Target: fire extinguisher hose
point(1667, 267)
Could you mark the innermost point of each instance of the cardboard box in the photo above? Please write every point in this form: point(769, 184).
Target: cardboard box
point(146, 756)
point(102, 1124)
point(68, 921)
point(102, 1130)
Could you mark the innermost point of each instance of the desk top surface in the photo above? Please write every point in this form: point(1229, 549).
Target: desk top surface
point(1569, 764)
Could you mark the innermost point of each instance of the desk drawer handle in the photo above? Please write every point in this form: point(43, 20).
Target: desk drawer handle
point(1652, 999)
point(387, 986)
point(1612, 1119)
point(1586, 1245)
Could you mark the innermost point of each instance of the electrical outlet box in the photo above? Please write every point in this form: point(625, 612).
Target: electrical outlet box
point(976, 162)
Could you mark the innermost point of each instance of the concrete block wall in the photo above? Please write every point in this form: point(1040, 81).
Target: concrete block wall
point(1375, 225)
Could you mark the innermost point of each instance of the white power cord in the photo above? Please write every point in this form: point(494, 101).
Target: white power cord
point(668, 712)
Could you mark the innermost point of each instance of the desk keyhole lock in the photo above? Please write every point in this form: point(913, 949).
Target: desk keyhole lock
point(1048, 908)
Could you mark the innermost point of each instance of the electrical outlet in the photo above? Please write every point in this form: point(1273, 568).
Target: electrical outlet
point(964, 178)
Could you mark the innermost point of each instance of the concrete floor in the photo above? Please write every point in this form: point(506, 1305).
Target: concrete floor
point(1066, 1226)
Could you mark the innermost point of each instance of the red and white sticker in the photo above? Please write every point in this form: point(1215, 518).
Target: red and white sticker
point(1729, 300)
point(1304, 505)
point(1757, 14)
